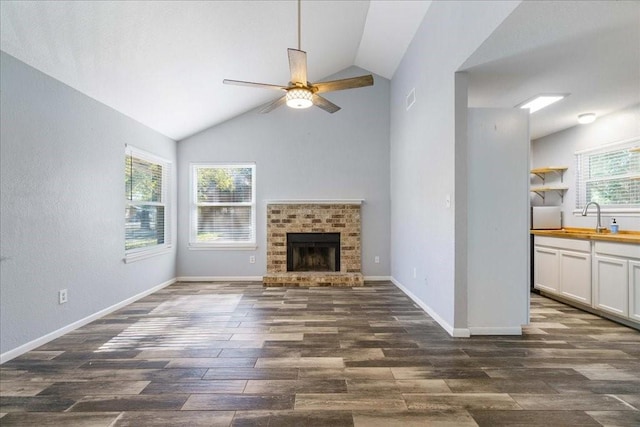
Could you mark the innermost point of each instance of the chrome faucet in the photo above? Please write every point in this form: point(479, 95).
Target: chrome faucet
point(599, 227)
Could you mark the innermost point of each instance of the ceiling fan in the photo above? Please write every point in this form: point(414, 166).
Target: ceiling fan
point(300, 93)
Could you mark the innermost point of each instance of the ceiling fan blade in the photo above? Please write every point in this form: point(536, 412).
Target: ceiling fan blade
point(273, 105)
point(351, 83)
point(252, 84)
point(324, 103)
point(298, 66)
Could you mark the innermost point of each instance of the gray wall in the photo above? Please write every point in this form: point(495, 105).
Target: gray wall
point(559, 149)
point(423, 172)
point(498, 220)
point(299, 154)
point(62, 206)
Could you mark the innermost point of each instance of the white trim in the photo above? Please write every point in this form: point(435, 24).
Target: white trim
point(219, 279)
point(144, 254)
point(610, 211)
point(490, 330)
point(461, 333)
point(193, 208)
point(377, 278)
point(11, 354)
point(257, 278)
point(454, 332)
point(251, 247)
point(144, 155)
point(583, 167)
point(316, 202)
point(136, 254)
point(606, 147)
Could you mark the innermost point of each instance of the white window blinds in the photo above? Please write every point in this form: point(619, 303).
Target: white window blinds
point(223, 206)
point(147, 196)
point(610, 176)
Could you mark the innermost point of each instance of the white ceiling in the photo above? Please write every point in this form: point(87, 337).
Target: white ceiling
point(162, 62)
point(589, 49)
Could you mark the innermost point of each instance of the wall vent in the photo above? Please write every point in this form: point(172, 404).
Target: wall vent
point(411, 98)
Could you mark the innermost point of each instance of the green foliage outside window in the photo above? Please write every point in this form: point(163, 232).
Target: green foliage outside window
point(610, 177)
point(145, 209)
point(224, 204)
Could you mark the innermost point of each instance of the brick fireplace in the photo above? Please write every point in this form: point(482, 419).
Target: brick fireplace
point(288, 220)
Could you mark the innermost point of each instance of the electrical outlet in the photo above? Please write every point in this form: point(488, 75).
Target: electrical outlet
point(252, 259)
point(415, 272)
point(62, 296)
point(376, 260)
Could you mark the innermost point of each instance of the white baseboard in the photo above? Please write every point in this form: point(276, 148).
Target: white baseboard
point(219, 279)
point(256, 278)
point(461, 333)
point(454, 332)
point(377, 278)
point(11, 354)
point(484, 330)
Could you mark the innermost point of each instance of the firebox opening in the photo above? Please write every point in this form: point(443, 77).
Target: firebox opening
point(313, 251)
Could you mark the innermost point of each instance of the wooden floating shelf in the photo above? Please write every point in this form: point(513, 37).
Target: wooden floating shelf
point(549, 169)
point(635, 149)
point(540, 191)
point(541, 172)
point(546, 189)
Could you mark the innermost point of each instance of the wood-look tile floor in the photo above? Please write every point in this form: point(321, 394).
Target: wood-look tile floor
point(221, 354)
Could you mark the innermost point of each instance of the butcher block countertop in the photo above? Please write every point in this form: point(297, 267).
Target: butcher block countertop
point(623, 236)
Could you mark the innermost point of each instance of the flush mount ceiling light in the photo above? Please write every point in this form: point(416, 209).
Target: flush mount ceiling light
point(540, 101)
point(586, 118)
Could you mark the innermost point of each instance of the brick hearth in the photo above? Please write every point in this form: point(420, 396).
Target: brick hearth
point(283, 218)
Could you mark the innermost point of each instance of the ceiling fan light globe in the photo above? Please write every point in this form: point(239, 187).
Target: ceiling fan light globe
point(299, 98)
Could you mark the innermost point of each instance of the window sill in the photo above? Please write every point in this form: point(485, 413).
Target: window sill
point(138, 256)
point(609, 211)
point(223, 247)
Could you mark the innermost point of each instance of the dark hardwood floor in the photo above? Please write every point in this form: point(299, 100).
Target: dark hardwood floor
point(238, 354)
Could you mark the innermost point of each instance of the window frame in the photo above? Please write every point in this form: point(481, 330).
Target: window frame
point(581, 178)
point(194, 204)
point(136, 254)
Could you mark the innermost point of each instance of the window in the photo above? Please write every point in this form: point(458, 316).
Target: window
point(610, 176)
point(223, 207)
point(147, 203)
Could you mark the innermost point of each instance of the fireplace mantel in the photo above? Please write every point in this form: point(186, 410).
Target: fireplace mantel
point(316, 202)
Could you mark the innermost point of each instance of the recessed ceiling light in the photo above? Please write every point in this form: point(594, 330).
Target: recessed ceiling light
point(540, 101)
point(586, 118)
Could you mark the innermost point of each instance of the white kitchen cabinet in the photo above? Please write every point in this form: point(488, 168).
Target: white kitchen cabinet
point(602, 274)
point(611, 284)
point(575, 276)
point(616, 278)
point(634, 290)
point(546, 269)
point(563, 267)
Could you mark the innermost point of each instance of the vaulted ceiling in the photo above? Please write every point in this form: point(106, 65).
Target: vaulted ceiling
point(162, 62)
